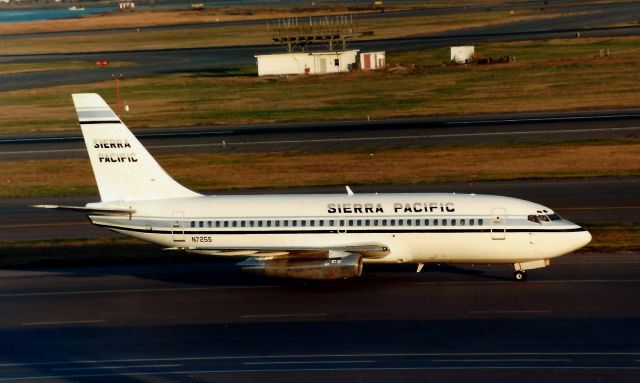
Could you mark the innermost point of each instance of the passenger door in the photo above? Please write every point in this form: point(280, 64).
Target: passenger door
point(498, 223)
point(177, 228)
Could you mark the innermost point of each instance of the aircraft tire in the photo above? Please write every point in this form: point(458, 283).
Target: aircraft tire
point(520, 275)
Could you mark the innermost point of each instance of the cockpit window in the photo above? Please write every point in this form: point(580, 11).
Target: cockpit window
point(543, 218)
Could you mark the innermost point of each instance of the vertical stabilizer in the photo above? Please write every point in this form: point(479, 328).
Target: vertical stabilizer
point(124, 169)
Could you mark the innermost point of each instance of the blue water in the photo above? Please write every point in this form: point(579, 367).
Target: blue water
point(8, 16)
point(15, 15)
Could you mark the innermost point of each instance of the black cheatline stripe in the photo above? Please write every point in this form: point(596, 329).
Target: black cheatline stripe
point(367, 231)
point(90, 122)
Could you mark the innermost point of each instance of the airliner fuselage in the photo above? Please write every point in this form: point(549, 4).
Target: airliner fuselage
point(321, 236)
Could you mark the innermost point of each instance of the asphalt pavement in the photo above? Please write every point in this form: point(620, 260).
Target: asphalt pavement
point(342, 135)
point(575, 321)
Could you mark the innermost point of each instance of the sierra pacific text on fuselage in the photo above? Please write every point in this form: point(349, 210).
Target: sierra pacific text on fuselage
point(411, 207)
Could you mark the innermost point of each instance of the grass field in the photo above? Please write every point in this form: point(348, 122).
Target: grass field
point(389, 166)
point(545, 76)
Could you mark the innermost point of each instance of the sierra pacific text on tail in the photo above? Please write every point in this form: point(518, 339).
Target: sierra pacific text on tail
point(317, 236)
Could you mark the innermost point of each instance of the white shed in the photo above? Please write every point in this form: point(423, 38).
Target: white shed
point(306, 63)
point(372, 60)
point(462, 54)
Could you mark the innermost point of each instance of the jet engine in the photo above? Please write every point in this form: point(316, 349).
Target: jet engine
point(306, 268)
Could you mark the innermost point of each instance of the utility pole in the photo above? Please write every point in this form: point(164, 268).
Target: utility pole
point(117, 78)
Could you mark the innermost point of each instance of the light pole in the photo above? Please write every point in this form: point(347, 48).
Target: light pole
point(117, 78)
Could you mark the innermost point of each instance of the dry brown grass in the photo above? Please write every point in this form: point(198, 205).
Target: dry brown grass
point(149, 18)
point(260, 170)
point(614, 237)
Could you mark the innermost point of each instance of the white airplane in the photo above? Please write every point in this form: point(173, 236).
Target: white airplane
point(320, 236)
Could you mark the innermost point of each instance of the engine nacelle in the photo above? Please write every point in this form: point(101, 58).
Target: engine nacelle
point(300, 268)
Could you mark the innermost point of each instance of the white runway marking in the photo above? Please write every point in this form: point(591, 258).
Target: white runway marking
point(335, 369)
point(499, 360)
point(309, 362)
point(266, 316)
point(509, 312)
point(64, 323)
point(91, 292)
point(116, 367)
point(333, 356)
point(188, 289)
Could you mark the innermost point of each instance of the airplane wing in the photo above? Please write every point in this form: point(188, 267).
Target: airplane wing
point(92, 210)
point(372, 250)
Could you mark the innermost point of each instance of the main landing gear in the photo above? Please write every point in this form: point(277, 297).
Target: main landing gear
point(520, 275)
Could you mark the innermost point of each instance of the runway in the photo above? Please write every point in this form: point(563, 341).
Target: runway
point(609, 200)
point(575, 321)
point(393, 133)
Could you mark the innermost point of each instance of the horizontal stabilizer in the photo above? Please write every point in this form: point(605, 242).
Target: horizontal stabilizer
point(94, 210)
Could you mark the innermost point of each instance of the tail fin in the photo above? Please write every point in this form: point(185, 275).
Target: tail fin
point(124, 169)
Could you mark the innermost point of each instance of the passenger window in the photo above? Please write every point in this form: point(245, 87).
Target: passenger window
point(277, 223)
point(453, 222)
point(471, 222)
point(375, 222)
point(208, 223)
point(350, 222)
point(234, 224)
point(193, 223)
point(217, 223)
point(480, 221)
point(226, 223)
point(286, 223)
point(400, 222)
point(462, 222)
point(312, 222)
point(303, 223)
point(342, 222)
point(392, 222)
point(321, 222)
point(359, 223)
point(259, 223)
point(435, 222)
point(367, 222)
point(268, 223)
point(444, 222)
point(242, 223)
point(426, 222)
point(201, 223)
point(294, 223)
point(331, 223)
point(384, 222)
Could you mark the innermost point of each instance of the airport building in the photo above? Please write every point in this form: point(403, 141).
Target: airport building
point(307, 63)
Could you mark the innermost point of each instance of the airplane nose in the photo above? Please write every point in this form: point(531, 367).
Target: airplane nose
point(586, 238)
